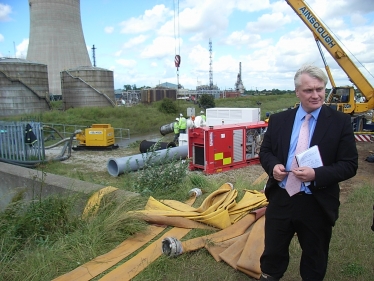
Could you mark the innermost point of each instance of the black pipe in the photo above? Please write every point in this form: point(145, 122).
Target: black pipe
point(145, 145)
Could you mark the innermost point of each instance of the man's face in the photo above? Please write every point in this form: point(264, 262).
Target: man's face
point(311, 92)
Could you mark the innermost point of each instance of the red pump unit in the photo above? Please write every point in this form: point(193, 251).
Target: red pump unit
point(221, 148)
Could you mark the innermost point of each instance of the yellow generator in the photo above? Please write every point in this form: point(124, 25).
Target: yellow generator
point(97, 136)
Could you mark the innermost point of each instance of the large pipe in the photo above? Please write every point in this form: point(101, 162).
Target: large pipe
point(117, 166)
point(145, 145)
point(169, 128)
point(166, 129)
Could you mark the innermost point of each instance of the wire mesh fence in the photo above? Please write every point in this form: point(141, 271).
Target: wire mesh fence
point(24, 141)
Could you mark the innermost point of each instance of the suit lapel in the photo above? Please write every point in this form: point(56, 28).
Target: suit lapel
point(323, 123)
point(287, 131)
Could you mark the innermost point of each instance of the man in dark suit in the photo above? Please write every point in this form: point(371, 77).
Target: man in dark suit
point(312, 211)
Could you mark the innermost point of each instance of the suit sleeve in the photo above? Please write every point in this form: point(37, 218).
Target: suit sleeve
point(269, 148)
point(339, 155)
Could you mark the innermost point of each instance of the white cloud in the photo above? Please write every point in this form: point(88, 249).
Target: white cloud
point(109, 29)
point(252, 5)
point(243, 38)
point(358, 19)
point(5, 11)
point(340, 8)
point(126, 63)
point(1, 38)
point(160, 47)
point(268, 23)
point(135, 41)
point(148, 21)
point(199, 58)
point(209, 17)
point(21, 49)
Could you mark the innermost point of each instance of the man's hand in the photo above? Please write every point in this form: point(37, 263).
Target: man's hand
point(279, 172)
point(305, 174)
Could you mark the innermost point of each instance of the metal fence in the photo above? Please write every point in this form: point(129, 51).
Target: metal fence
point(21, 141)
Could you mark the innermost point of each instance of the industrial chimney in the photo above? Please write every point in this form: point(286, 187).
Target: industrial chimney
point(56, 38)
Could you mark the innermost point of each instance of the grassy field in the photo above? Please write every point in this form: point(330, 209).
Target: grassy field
point(143, 118)
point(48, 238)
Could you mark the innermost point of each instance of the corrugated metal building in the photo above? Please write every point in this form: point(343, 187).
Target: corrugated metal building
point(230, 94)
point(157, 94)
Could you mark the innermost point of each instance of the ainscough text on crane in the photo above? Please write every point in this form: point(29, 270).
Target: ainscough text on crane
point(317, 26)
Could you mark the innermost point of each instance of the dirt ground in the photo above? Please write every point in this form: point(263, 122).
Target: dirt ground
point(97, 161)
point(364, 173)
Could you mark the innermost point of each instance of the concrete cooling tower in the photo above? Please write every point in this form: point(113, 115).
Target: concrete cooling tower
point(56, 38)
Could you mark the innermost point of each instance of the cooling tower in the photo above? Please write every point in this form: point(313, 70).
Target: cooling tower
point(56, 38)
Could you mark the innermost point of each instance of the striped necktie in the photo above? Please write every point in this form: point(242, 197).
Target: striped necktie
point(293, 184)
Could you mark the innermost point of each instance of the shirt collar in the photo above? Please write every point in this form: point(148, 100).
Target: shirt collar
point(300, 114)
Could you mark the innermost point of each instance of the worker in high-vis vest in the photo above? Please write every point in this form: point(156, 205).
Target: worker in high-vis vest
point(182, 124)
point(176, 130)
point(202, 114)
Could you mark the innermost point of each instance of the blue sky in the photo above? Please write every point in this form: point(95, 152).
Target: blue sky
point(136, 39)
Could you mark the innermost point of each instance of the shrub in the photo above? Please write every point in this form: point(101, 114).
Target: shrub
point(23, 223)
point(167, 106)
point(160, 175)
point(207, 101)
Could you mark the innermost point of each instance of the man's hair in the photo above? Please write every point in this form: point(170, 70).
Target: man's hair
point(312, 71)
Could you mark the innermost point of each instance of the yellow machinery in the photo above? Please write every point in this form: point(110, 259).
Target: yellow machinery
point(97, 136)
point(341, 98)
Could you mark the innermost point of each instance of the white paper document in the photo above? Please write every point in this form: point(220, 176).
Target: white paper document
point(309, 158)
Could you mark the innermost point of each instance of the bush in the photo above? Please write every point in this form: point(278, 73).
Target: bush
point(23, 224)
point(160, 175)
point(167, 106)
point(207, 101)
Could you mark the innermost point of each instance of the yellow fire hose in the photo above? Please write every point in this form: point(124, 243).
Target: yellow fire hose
point(232, 254)
point(232, 231)
point(98, 265)
point(249, 261)
point(219, 209)
point(101, 263)
point(134, 266)
point(215, 249)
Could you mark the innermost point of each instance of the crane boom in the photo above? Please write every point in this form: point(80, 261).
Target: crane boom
point(321, 33)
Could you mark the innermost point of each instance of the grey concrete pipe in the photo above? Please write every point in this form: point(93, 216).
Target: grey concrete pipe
point(117, 166)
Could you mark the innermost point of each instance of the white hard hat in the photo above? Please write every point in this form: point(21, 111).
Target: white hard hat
point(177, 119)
point(201, 111)
point(180, 114)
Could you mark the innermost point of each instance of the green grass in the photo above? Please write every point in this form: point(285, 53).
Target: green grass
point(142, 118)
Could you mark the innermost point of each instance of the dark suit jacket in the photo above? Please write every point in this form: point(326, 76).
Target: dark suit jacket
point(334, 136)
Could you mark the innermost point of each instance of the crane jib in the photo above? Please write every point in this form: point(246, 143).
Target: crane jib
point(317, 26)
